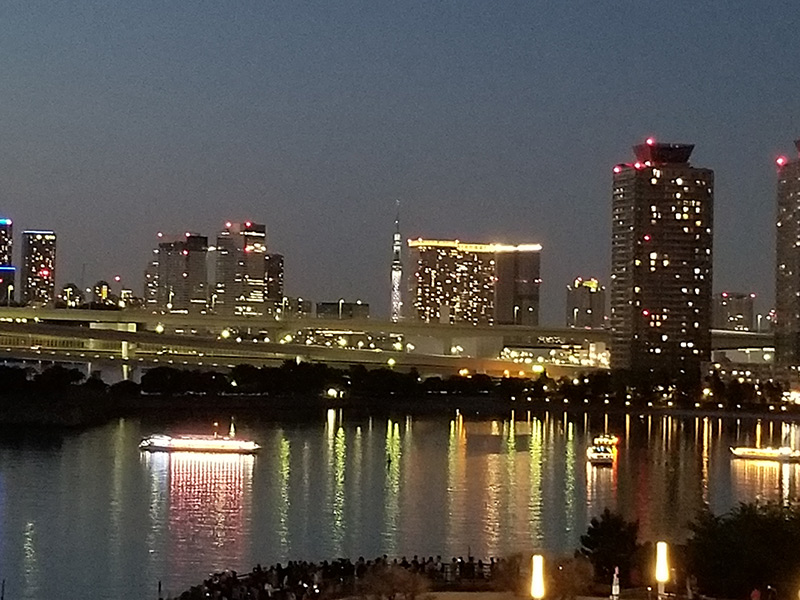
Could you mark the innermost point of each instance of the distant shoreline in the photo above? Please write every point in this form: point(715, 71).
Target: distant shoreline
point(80, 408)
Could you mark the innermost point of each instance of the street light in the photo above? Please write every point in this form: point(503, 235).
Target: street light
point(537, 577)
point(10, 294)
point(662, 567)
point(341, 301)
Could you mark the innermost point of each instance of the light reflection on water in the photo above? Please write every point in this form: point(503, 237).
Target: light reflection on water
point(338, 487)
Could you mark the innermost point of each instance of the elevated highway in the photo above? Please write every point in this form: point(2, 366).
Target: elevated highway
point(137, 339)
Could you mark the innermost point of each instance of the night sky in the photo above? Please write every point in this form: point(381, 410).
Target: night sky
point(489, 121)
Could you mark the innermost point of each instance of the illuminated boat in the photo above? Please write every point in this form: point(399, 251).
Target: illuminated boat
point(199, 443)
point(607, 439)
point(784, 453)
point(600, 454)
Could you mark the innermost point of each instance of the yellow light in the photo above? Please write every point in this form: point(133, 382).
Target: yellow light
point(662, 567)
point(537, 576)
point(391, 362)
point(537, 369)
point(464, 372)
point(159, 328)
point(225, 334)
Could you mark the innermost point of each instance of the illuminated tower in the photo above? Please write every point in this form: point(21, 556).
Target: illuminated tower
point(7, 272)
point(38, 267)
point(663, 210)
point(455, 282)
point(182, 278)
point(397, 269)
point(6, 242)
point(241, 278)
point(787, 264)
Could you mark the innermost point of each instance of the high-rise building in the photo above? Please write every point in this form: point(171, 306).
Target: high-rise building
point(661, 262)
point(38, 278)
point(151, 283)
point(452, 282)
point(182, 277)
point(787, 263)
point(396, 306)
point(734, 310)
point(274, 274)
point(241, 270)
point(7, 271)
point(6, 243)
point(586, 304)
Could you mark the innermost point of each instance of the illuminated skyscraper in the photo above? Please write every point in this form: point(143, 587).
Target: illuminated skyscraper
point(397, 270)
point(182, 276)
point(454, 282)
point(241, 278)
point(7, 271)
point(586, 304)
point(663, 211)
point(38, 278)
point(6, 242)
point(787, 264)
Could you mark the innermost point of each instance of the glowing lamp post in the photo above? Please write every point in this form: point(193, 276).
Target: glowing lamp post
point(662, 567)
point(537, 577)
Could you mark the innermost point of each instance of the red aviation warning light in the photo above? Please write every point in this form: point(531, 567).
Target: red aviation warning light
point(781, 160)
point(650, 141)
point(44, 272)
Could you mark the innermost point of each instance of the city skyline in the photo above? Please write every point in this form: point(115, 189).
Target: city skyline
point(316, 126)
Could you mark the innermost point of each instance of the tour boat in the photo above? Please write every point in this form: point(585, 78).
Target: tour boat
point(199, 443)
point(607, 439)
point(600, 454)
point(784, 453)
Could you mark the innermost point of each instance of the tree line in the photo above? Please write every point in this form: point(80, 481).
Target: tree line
point(307, 379)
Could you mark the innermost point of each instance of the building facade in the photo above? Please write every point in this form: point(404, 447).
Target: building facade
point(241, 270)
point(7, 271)
point(734, 310)
point(455, 282)
point(787, 263)
point(661, 261)
point(274, 274)
point(181, 279)
point(38, 276)
point(586, 304)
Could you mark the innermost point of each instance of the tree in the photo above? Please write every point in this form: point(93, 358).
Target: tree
point(57, 378)
point(751, 546)
point(610, 542)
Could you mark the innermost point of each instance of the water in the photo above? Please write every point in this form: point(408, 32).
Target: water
point(87, 515)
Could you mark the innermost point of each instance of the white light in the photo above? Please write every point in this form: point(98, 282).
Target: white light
point(537, 576)
point(662, 567)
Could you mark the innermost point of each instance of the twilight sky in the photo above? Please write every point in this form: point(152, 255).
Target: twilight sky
point(490, 121)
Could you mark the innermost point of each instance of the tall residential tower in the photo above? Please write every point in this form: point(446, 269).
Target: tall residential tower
point(38, 278)
point(663, 211)
point(7, 271)
point(454, 282)
point(787, 264)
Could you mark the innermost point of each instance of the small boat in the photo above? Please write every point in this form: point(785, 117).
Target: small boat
point(600, 454)
point(607, 439)
point(783, 454)
point(199, 443)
